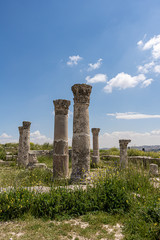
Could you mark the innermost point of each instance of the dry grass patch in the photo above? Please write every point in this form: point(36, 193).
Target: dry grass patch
point(72, 229)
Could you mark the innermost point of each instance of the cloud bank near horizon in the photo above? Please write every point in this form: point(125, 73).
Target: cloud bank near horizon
point(132, 115)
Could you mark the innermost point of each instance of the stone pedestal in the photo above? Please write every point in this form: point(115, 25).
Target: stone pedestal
point(60, 146)
point(20, 146)
point(81, 133)
point(95, 156)
point(123, 152)
point(25, 143)
point(153, 169)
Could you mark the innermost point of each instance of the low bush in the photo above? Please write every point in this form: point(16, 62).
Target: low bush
point(107, 195)
point(136, 152)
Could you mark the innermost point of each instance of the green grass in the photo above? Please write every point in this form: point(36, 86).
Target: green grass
point(119, 196)
point(48, 160)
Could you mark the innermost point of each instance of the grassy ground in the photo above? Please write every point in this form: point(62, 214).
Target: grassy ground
point(91, 226)
point(140, 221)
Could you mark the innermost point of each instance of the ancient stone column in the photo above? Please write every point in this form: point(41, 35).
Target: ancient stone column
point(26, 143)
point(81, 133)
point(60, 146)
point(20, 148)
point(153, 169)
point(123, 152)
point(95, 156)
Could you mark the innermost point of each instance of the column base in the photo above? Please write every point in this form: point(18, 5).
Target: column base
point(60, 166)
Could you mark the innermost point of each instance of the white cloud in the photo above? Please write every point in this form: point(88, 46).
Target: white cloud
point(73, 60)
point(5, 138)
point(109, 140)
point(154, 45)
point(70, 113)
point(157, 69)
point(146, 67)
point(97, 78)
point(95, 65)
point(140, 43)
point(124, 80)
point(37, 137)
point(132, 115)
point(146, 83)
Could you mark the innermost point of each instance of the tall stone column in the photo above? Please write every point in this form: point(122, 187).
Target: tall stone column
point(81, 133)
point(20, 145)
point(95, 156)
point(60, 146)
point(26, 142)
point(123, 152)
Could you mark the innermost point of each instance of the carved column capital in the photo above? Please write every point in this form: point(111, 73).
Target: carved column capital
point(124, 142)
point(61, 106)
point(81, 93)
point(26, 125)
point(20, 130)
point(95, 131)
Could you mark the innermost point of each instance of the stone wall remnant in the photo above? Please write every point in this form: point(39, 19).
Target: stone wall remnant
point(60, 145)
point(95, 156)
point(123, 152)
point(81, 133)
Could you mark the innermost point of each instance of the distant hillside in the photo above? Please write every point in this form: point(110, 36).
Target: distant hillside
point(147, 148)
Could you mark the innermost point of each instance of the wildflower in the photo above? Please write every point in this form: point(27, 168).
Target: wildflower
point(126, 201)
point(155, 224)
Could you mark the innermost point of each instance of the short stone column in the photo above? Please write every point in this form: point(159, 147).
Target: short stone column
point(95, 156)
point(123, 152)
point(60, 145)
point(153, 169)
point(26, 143)
point(20, 145)
point(81, 133)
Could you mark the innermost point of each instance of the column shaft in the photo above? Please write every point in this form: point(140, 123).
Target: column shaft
point(95, 156)
point(123, 152)
point(81, 133)
point(60, 146)
point(26, 142)
point(20, 146)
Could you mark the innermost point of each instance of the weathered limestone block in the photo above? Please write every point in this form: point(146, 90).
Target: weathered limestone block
point(123, 152)
point(153, 169)
point(25, 143)
point(81, 133)
point(37, 165)
point(95, 156)
point(60, 145)
point(20, 147)
point(32, 158)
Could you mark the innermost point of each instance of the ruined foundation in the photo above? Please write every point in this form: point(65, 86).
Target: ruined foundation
point(81, 133)
point(60, 146)
point(25, 143)
point(123, 152)
point(20, 148)
point(95, 156)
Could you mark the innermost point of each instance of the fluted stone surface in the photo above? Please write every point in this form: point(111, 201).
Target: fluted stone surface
point(123, 152)
point(81, 133)
point(25, 143)
point(95, 156)
point(60, 145)
point(20, 146)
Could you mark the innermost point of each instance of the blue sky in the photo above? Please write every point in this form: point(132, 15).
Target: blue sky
point(47, 46)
